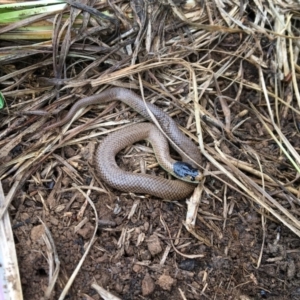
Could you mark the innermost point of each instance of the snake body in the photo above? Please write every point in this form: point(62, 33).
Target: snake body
point(143, 183)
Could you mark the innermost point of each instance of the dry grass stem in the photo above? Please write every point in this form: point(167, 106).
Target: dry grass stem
point(10, 282)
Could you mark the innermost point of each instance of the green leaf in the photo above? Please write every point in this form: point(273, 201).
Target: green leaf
point(1, 101)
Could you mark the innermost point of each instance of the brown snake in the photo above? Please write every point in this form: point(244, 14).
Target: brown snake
point(143, 183)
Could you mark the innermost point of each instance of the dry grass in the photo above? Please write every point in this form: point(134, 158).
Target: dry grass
point(192, 59)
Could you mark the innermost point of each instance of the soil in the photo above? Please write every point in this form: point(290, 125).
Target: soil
point(126, 257)
point(250, 255)
point(132, 256)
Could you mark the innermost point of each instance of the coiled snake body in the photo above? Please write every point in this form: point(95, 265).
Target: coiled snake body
point(143, 183)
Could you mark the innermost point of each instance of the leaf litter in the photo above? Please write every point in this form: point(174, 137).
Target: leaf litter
point(228, 73)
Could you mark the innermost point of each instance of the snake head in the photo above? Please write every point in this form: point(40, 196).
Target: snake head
point(186, 172)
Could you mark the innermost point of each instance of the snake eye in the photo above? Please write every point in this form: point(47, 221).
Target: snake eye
point(185, 170)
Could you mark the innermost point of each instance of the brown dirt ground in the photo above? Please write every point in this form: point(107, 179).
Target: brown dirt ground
point(134, 269)
point(227, 270)
point(126, 257)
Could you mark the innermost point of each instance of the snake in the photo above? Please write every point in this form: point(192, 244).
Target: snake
point(186, 171)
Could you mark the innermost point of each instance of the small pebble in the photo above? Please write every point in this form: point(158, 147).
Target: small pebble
point(148, 285)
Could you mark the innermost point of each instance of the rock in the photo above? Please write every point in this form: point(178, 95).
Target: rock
point(166, 282)
point(137, 268)
point(87, 231)
point(153, 244)
point(54, 221)
point(148, 285)
point(37, 232)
